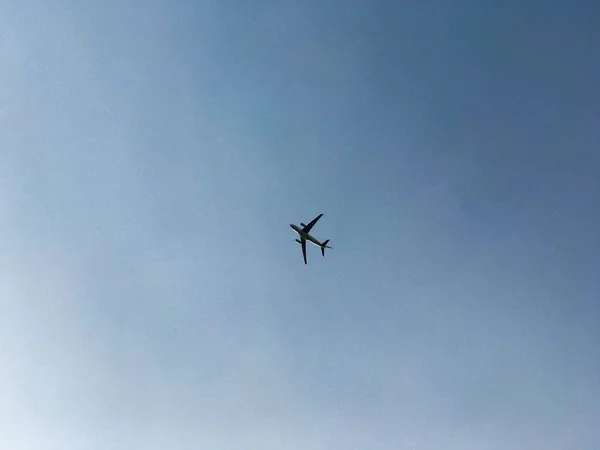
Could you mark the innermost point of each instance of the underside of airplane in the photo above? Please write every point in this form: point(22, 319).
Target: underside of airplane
point(304, 233)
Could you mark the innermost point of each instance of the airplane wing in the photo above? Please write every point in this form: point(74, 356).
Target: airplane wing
point(307, 228)
point(304, 249)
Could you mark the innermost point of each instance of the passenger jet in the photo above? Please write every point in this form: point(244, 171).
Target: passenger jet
point(304, 236)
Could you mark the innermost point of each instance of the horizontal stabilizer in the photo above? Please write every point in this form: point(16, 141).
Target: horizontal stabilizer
point(324, 246)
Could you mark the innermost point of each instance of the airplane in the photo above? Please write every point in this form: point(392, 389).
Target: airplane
point(304, 236)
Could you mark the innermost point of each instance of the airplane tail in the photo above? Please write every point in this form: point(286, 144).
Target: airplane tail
point(324, 246)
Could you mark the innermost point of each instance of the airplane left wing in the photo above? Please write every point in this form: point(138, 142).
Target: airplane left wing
point(308, 227)
point(303, 242)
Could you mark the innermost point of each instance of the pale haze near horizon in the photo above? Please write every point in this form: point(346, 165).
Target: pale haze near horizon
point(153, 156)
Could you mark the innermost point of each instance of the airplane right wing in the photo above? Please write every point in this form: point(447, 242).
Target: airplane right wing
point(308, 227)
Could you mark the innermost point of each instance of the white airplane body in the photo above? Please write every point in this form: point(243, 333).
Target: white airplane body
point(305, 236)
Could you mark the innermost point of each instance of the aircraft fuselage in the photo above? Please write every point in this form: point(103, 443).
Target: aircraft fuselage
point(306, 236)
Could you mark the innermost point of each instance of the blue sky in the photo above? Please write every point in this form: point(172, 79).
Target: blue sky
point(153, 155)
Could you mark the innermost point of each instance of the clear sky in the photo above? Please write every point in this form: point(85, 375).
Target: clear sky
point(153, 155)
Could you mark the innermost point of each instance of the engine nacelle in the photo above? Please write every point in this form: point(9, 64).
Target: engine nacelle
point(298, 241)
point(302, 224)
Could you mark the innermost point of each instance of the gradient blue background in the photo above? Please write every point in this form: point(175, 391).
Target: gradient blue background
point(154, 153)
